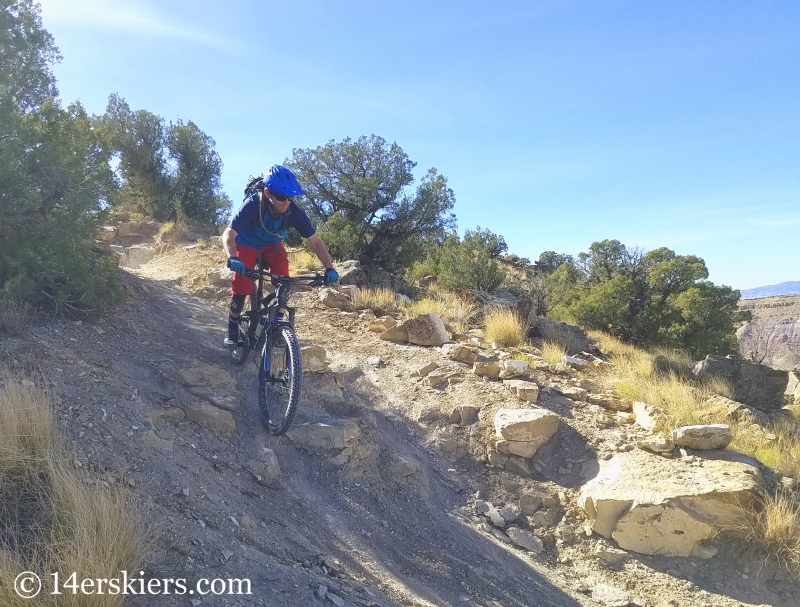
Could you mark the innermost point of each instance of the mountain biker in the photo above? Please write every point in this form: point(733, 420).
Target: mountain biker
point(258, 229)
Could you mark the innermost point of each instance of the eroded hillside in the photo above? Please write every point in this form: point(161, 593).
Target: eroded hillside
point(773, 336)
point(385, 492)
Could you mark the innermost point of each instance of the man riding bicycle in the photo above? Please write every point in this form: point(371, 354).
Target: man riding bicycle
point(257, 232)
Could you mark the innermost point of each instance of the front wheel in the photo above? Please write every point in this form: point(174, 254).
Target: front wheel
point(279, 378)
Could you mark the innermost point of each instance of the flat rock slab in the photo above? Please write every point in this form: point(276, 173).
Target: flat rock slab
point(522, 431)
point(324, 436)
point(655, 505)
point(711, 436)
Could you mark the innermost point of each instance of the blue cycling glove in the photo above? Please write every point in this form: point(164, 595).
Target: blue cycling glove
point(236, 265)
point(331, 276)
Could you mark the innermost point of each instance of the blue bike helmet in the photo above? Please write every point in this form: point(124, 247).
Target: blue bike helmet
point(281, 181)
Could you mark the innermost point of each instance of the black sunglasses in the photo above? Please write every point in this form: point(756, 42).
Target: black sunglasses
point(280, 197)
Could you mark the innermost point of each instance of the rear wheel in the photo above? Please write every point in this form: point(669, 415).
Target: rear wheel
point(240, 351)
point(279, 378)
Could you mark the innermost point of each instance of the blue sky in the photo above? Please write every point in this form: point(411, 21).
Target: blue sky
point(658, 123)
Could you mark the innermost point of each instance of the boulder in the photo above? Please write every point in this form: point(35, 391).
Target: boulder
point(107, 233)
point(324, 436)
point(334, 299)
point(210, 417)
point(137, 255)
point(711, 436)
point(654, 505)
point(792, 392)
point(351, 273)
point(719, 408)
point(313, 359)
point(756, 385)
point(426, 330)
point(522, 431)
point(513, 368)
point(569, 336)
point(212, 384)
point(145, 229)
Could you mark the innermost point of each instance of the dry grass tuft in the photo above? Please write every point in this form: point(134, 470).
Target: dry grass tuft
point(446, 305)
point(561, 335)
point(171, 231)
point(553, 352)
point(504, 326)
point(51, 519)
point(301, 259)
point(773, 528)
point(379, 299)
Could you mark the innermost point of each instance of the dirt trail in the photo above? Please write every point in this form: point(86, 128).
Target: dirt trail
point(365, 534)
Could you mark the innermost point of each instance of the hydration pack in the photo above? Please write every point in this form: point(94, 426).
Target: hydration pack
point(255, 185)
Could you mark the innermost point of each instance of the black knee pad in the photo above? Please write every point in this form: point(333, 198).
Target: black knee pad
point(237, 305)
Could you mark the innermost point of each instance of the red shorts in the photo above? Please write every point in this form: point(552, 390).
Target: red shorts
point(273, 258)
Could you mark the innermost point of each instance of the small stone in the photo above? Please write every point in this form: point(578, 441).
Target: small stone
point(321, 591)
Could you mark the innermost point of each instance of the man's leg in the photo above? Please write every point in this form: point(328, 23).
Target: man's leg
point(241, 286)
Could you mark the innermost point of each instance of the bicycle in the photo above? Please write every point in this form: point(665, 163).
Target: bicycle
point(265, 328)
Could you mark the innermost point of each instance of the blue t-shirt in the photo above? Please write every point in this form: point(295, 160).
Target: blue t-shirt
point(256, 227)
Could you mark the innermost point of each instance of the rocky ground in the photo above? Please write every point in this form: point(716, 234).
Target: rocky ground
point(379, 495)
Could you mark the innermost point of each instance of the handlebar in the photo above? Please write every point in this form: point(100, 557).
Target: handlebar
point(315, 281)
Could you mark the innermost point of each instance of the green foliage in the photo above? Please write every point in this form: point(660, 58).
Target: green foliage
point(26, 51)
point(471, 263)
point(654, 299)
point(52, 204)
point(357, 194)
point(547, 290)
point(169, 173)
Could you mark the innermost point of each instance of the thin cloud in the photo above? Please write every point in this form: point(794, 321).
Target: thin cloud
point(133, 18)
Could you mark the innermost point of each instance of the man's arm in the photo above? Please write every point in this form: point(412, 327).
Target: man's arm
point(320, 250)
point(229, 242)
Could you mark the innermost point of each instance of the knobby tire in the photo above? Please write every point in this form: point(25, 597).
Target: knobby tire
point(279, 387)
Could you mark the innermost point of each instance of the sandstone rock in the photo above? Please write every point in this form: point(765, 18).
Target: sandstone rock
point(647, 416)
point(572, 361)
point(495, 517)
point(576, 393)
point(268, 469)
point(792, 391)
point(662, 506)
point(146, 228)
point(206, 375)
point(379, 325)
point(712, 436)
point(426, 330)
point(323, 388)
point(721, 408)
point(423, 371)
point(461, 353)
point(525, 539)
point(756, 385)
point(323, 436)
point(351, 291)
point(210, 417)
point(523, 431)
point(465, 415)
point(656, 444)
point(155, 442)
point(351, 273)
point(610, 596)
point(334, 299)
point(398, 334)
point(490, 370)
point(570, 336)
point(219, 277)
point(431, 415)
point(313, 359)
point(517, 466)
point(173, 415)
point(610, 556)
point(510, 513)
point(526, 390)
point(137, 255)
point(346, 376)
point(513, 368)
